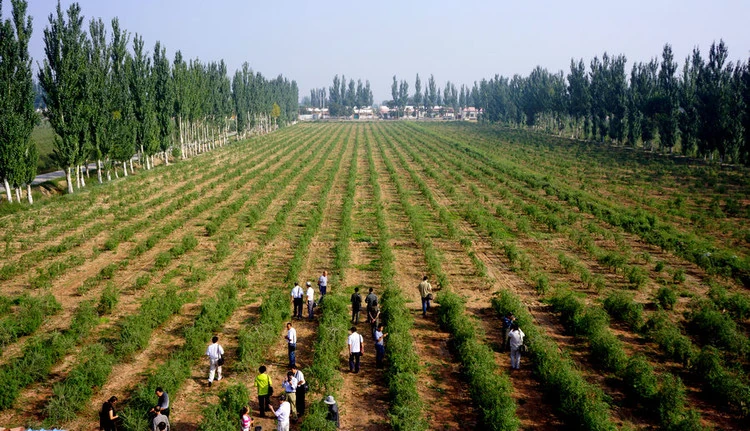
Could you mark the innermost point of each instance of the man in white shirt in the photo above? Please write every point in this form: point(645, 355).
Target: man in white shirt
point(323, 283)
point(214, 353)
point(290, 386)
point(301, 390)
point(297, 295)
point(282, 414)
point(291, 337)
point(515, 339)
point(310, 301)
point(355, 342)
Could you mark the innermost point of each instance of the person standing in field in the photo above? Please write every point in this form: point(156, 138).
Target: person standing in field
point(310, 301)
point(282, 414)
point(214, 353)
point(372, 305)
point(425, 291)
point(162, 402)
point(379, 346)
point(263, 385)
point(355, 342)
point(301, 390)
point(291, 337)
point(159, 419)
point(245, 420)
point(333, 410)
point(323, 283)
point(297, 298)
point(107, 415)
point(356, 305)
point(515, 340)
point(507, 323)
point(290, 389)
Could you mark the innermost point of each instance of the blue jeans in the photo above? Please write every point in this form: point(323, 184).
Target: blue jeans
point(292, 354)
point(425, 306)
point(379, 354)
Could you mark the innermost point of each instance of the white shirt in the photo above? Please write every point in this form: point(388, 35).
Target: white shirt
point(310, 294)
point(291, 335)
point(297, 292)
point(516, 338)
point(283, 412)
point(323, 281)
point(214, 351)
point(299, 377)
point(355, 342)
point(289, 386)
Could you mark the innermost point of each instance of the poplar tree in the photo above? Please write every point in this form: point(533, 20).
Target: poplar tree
point(163, 89)
point(63, 77)
point(121, 123)
point(417, 94)
point(143, 105)
point(668, 100)
point(99, 62)
point(18, 156)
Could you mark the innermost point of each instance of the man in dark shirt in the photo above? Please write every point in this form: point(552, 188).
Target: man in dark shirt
point(333, 410)
point(163, 402)
point(356, 305)
point(372, 305)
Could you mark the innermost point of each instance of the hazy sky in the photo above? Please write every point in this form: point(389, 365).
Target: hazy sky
point(460, 41)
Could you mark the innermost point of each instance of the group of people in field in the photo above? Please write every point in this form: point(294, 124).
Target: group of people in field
point(291, 400)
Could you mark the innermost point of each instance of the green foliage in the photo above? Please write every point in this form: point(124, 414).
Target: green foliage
point(621, 306)
point(29, 316)
point(737, 304)
point(666, 297)
point(725, 387)
point(108, 300)
point(254, 340)
point(675, 345)
point(715, 328)
point(225, 415)
point(636, 276)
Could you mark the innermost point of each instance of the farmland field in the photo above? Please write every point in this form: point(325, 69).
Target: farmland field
point(627, 272)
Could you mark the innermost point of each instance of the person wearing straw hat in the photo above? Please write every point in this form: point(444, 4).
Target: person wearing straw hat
point(333, 410)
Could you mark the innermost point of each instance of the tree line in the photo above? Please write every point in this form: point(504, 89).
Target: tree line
point(108, 103)
point(702, 110)
point(341, 98)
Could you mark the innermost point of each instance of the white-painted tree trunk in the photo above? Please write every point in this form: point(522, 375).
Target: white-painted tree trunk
point(117, 176)
point(69, 178)
point(83, 180)
point(99, 170)
point(7, 190)
point(131, 166)
point(125, 169)
point(28, 194)
point(166, 158)
point(18, 195)
point(78, 176)
point(87, 170)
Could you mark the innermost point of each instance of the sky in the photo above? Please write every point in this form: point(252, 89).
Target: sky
point(461, 41)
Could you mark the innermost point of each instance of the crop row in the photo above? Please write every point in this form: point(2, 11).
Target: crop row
point(577, 400)
point(719, 381)
point(488, 388)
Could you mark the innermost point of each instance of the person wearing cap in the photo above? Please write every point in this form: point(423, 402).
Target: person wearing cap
point(297, 298)
point(310, 301)
point(282, 414)
point(333, 410)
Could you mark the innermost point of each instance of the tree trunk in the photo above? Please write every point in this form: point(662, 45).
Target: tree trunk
point(125, 168)
point(69, 178)
point(87, 169)
point(117, 176)
point(131, 166)
point(28, 194)
point(7, 190)
point(99, 170)
point(18, 195)
point(166, 159)
point(78, 176)
point(83, 180)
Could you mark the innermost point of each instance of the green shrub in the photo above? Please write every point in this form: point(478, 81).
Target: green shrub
point(568, 264)
point(637, 277)
point(679, 276)
point(675, 345)
point(108, 300)
point(725, 387)
point(622, 306)
point(666, 298)
point(640, 380)
point(737, 304)
point(715, 328)
point(142, 281)
point(162, 260)
point(542, 284)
